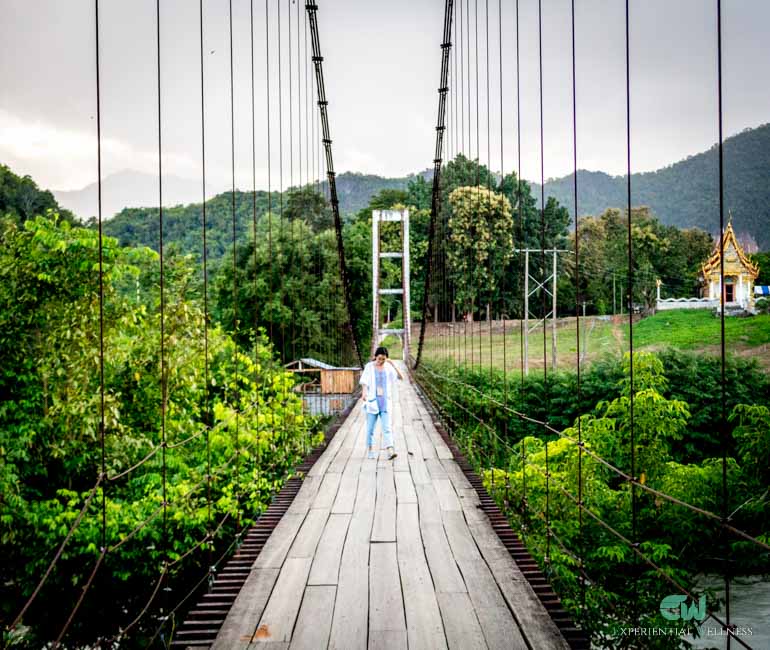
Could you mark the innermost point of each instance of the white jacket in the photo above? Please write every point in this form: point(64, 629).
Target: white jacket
point(369, 380)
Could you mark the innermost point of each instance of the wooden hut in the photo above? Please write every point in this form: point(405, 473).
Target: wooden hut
point(325, 378)
point(327, 388)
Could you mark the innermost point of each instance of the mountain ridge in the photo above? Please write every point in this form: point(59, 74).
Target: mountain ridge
point(684, 193)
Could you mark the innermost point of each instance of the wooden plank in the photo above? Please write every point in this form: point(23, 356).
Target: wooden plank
point(345, 450)
point(386, 603)
point(387, 640)
point(499, 627)
point(435, 468)
point(327, 492)
point(314, 619)
point(418, 470)
point(305, 543)
point(533, 618)
point(423, 618)
point(351, 609)
point(280, 613)
point(346, 494)
point(446, 574)
point(242, 619)
point(277, 545)
point(461, 626)
point(405, 492)
point(469, 499)
point(366, 493)
point(428, 448)
point(447, 497)
point(430, 512)
point(384, 529)
point(440, 449)
point(326, 563)
point(307, 491)
point(319, 467)
point(497, 623)
point(459, 480)
point(412, 442)
point(443, 568)
point(400, 462)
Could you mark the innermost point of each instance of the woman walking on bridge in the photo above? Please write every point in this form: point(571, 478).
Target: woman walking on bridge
point(378, 381)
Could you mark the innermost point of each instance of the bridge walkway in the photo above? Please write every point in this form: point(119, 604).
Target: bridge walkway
point(387, 554)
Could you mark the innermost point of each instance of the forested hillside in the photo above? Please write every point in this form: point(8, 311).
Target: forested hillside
point(183, 224)
point(22, 199)
point(686, 193)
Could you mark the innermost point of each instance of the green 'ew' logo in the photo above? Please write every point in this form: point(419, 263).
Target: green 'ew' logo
point(673, 608)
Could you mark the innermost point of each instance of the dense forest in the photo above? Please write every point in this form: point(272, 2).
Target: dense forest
point(22, 199)
point(176, 415)
point(678, 445)
point(198, 431)
point(686, 194)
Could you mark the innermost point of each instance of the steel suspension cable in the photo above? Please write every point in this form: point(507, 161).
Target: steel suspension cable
point(502, 187)
point(522, 270)
point(474, 274)
point(547, 558)
point(323, 103)
point(446, 46)
point(722, 342)
point(257, 386)
point(630, 308)
point(236, 391)
point(581, 532)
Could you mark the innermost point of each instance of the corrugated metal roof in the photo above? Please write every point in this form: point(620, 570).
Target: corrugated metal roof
point(315, 363)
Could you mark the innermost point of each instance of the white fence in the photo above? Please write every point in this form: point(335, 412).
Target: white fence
point(686, 303)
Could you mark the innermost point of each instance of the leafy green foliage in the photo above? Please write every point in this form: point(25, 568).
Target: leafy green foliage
point(659, 252)
point(480, 242)
point(538, 476)
point(22, 199)
point(230, 415)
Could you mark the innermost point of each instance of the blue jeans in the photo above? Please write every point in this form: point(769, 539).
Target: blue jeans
point(387, 434)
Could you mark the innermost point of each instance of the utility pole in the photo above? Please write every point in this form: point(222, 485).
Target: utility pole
point(539, 285)
point(553, 312)
point(614, 306)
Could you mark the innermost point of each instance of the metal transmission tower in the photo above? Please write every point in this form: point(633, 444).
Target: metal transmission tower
point(378, 333)
point(528, 292)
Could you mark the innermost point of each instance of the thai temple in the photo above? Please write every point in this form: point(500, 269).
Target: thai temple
point(739, 273)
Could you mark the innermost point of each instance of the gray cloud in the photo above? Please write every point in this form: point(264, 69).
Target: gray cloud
point(381, 66)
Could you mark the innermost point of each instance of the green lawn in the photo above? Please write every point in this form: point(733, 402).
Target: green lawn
point(695, 329)
point(692, 329)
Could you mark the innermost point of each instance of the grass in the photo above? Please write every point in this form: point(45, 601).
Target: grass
point(695, 330)
point(692, 329)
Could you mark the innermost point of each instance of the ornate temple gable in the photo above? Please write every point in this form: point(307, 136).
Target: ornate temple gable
point(736, 261)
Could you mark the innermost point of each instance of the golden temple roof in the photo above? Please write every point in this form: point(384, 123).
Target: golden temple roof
point(728, 236)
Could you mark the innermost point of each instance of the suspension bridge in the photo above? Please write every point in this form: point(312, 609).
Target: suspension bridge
point(467, 538)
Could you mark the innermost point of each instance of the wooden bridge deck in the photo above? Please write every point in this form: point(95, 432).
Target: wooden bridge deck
point(387, 554)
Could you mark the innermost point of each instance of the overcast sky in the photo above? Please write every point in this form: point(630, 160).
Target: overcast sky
point(381, 66)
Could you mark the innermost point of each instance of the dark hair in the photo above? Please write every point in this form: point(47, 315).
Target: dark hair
point(381, 350)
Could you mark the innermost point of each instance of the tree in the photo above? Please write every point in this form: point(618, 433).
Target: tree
point(50, 343)
point(22, 199)
point(480, 243)
point(307, 204)
point(290, 286)
point(658, 252)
